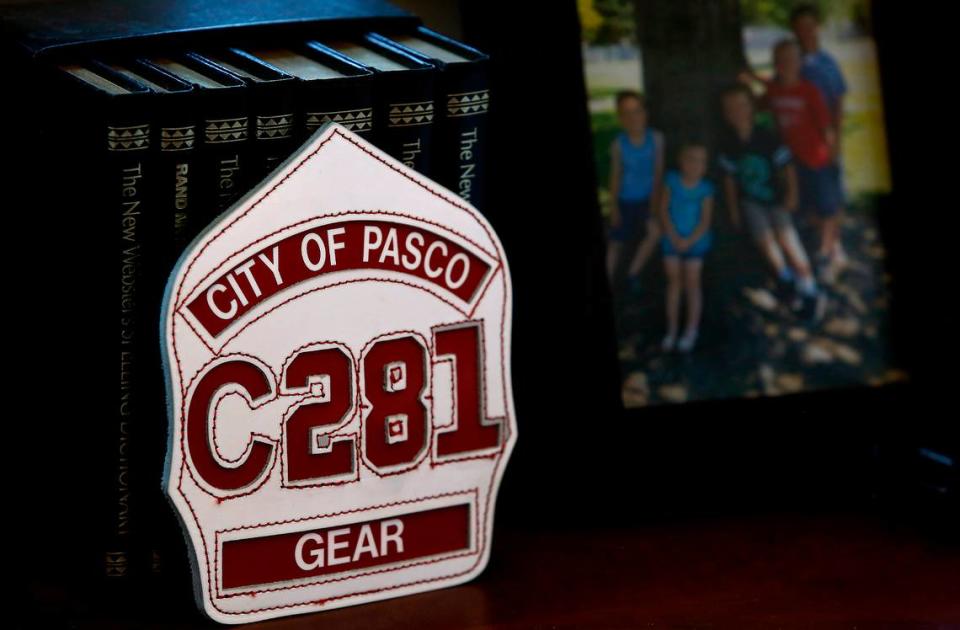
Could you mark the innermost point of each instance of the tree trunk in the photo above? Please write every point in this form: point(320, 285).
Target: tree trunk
point(691, 50)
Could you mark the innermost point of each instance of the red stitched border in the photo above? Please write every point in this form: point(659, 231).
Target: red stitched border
point(330, 286)
point(428, 438)
point(183, 420)
point(401, 567)
point(339, 431)
point(196, 332)
point(503, 372)
point(474, 504)
point(504, 432)
point(332, 215)
point(486, 285)
point(336, 133)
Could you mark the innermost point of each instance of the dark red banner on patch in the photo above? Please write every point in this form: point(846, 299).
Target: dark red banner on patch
point(253, 562)
point(343, 246)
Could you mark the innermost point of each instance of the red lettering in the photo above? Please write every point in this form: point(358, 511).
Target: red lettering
point(326, 376)
point(395, 377)
point(472, 432)
point(255, 385)
point(394, 380)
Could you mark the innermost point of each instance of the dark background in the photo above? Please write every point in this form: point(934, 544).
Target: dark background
point(583, 466)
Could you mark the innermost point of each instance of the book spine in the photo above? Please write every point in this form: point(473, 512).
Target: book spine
point(126, 140)
point(404, 117)
point(172, 225)
point(462, 134)
point(225, 153)
point(347, 102)
point(274, 126)
point(177, 174)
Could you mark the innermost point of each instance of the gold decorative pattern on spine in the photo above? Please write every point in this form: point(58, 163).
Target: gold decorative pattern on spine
point(115, 563)
point(356, 120)
point(411, 114)
point(177, 138)
point(133, 138)
point(274, 127)
point(223, 130)
point(468, 103)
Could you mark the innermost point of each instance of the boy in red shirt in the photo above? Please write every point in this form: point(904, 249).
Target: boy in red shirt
point(806, 125)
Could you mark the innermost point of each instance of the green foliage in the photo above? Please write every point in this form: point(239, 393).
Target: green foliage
point(612, 21)
point(768, 11)
point(590, 20)
point(617, 22)
point(777, 12)
point(605, 129)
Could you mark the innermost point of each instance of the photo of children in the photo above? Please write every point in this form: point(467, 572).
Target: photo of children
point(748, 153)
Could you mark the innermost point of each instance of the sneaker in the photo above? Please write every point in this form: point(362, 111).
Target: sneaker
point(838, 263)
point(825, 270)
point(668, 342)
point(802, 292)
point(786, 292)
point(840, 258)
point(687, 342)
point(812, 307)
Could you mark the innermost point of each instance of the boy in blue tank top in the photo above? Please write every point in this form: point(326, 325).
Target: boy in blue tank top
point(686, 212)
point(636, 169)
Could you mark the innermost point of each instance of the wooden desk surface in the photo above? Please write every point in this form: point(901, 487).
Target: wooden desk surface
point(769, 571)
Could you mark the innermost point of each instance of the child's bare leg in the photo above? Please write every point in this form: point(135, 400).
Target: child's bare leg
point(691, 279)
point(829, 231)
point(646, 249)
point(839, 254)
point(613, 257)
point(789, 241)
point(671, 265)
point(771, 251)
point(762, 222)
point(806, 284)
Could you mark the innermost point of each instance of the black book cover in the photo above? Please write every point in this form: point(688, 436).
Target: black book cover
point(330, 88)
point(271, 95)
point(225, 143)
point(104, 139)
point(463, 100)
point(167, 228)
point(175, 145)
point(404, 107)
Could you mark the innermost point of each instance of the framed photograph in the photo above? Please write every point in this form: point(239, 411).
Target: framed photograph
point(741, 158)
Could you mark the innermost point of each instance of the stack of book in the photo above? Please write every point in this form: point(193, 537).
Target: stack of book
point(207, 125)
point(156, 134)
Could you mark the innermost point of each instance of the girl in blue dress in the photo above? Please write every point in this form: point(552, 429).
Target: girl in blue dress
point(685, 211)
